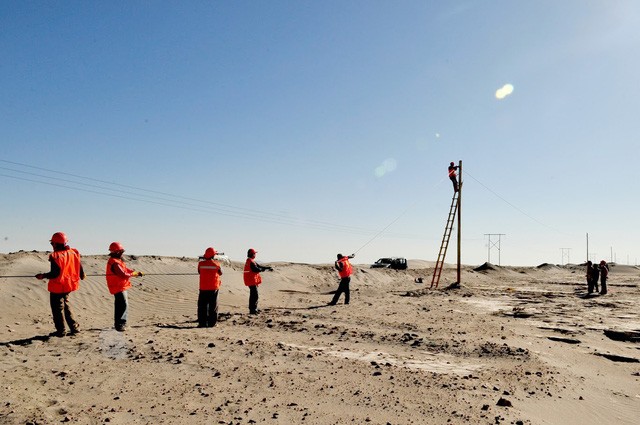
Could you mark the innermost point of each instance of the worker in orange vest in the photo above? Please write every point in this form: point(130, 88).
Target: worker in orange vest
point(118, 275)
point(252, 278)
point(64, 278)
point(452, 175)
point(210, 272)
point(345, 269)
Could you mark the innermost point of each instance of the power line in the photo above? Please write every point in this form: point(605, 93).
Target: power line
point(516, 208)
point(181, 202)
point(224, 209)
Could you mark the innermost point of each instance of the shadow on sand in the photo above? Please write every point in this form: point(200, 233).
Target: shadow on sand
point(43, 338)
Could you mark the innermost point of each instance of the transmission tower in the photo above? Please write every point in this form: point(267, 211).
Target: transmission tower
point(494, 244)
point(565, 251)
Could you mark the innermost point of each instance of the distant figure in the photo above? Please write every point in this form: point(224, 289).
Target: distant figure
point(453, 176)
point(345, 269)
point(604, 273)
point(589, 277)
point(118, 275)
point(595, 272)
point(64, 278)
point(210, 272)
point(252, 279)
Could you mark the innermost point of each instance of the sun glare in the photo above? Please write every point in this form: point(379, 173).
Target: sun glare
point(504, 91)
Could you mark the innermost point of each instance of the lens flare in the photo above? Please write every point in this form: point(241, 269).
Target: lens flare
point(504, 91)
point(388, 165)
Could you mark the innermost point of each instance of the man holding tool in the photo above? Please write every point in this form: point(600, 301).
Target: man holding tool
point(345, 269)
point(118, 282)
point(252, 278)
point(64, 278)
point(210, 273)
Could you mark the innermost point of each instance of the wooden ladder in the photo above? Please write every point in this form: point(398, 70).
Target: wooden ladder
point(445, 240)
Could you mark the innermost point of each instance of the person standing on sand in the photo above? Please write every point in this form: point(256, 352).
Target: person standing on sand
point(452, 176)
point(252, 278)
point(64, 278)
point(345, 269)
point(594, 277)
point(118, 282)
point(210, 272)
point(604, 274)
point(589, 277)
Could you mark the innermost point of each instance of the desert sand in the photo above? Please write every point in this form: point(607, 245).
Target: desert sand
point(512, 345)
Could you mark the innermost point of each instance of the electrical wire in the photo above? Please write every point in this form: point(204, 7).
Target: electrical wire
point(175, 201)
point(515, 207)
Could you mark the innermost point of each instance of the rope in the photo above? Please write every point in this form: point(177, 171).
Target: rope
point(394, 220)
point(103, 275)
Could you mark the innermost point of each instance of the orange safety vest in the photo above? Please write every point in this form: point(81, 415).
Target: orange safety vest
point(251, 278)
point(347, 269)
point(116, 283)
point(69, 278)
point(452, 171)
point(210, 272)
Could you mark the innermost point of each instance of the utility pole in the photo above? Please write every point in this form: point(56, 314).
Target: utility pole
point(587, 246)
point(494, 245)
point(563, 250)
point(459, 217)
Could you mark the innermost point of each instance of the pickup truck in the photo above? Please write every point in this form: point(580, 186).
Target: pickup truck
point(397, 263)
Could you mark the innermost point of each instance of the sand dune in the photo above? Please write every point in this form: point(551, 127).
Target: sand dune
point(511, 345)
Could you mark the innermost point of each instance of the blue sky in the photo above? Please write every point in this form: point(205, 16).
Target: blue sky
point(304, 129)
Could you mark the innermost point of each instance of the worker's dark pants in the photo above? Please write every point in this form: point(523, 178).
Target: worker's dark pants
point(454, 180)
point(594, 280)
point(207, 308)
point(253, 299)
point(589, 285)
point(603, 286)
point(61, 310)
point(121, 311)
point(343, 287)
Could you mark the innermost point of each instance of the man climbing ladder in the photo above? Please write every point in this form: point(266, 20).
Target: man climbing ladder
point(454, 210)
point(452, 175)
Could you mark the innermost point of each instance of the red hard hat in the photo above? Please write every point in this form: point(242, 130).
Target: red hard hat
point(251, 252)
point(59, 238)
point(209, 253)
point(115, 247)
